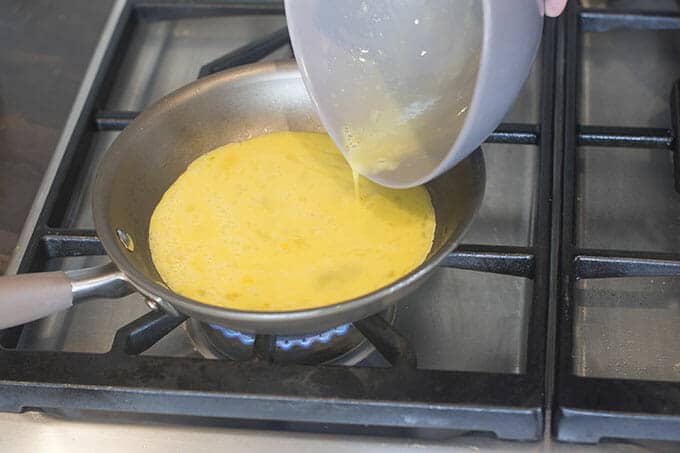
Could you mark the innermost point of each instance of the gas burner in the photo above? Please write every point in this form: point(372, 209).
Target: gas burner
point(287, 342)
point(343, 345)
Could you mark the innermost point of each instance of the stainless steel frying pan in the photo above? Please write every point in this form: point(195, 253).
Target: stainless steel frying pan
point(158, 146)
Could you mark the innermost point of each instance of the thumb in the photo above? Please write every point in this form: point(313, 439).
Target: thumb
point(554, 8)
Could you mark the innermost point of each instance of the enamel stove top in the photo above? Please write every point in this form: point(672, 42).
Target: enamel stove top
point(555, 320)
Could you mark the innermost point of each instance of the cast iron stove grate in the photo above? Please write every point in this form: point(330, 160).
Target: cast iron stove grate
point(587, 409)
point(400, 396)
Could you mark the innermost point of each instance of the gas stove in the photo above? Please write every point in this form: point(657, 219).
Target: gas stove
point(554, 320)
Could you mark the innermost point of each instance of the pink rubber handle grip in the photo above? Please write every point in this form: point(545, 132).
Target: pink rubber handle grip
point(27, 297)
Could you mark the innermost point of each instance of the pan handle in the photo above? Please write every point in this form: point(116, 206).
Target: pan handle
point(27, 297)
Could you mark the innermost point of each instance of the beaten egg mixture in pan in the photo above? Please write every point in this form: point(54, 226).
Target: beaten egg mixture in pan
point(278, 223)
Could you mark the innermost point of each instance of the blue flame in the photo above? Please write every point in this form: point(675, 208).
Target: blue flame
point(286, 343)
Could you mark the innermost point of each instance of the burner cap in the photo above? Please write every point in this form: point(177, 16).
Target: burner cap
point(342, 345)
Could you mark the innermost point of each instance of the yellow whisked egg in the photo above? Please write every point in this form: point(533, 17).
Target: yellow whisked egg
point(274, 224)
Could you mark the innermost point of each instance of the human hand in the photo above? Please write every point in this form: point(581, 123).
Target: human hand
point(554, 8)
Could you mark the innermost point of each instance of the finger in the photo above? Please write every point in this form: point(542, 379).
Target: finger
point(554, 8)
